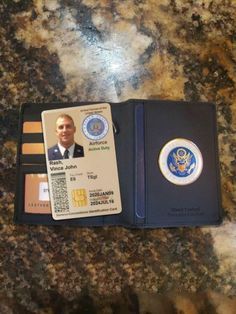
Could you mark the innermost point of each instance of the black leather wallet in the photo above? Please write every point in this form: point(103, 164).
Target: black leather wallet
point(150, 198)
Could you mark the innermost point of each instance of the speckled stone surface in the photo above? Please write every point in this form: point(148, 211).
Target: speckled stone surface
point(112, 50)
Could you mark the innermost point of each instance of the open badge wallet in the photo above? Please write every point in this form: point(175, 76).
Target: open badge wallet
point(167, 161)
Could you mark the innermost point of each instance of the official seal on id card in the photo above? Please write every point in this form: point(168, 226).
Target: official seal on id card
point(81, 161)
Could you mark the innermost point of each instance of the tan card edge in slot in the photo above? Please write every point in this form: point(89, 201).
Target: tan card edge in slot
point(36, 194)
point(32, 127)
point(32, 148)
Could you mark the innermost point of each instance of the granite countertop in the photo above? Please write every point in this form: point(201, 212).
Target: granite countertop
point(112, 50)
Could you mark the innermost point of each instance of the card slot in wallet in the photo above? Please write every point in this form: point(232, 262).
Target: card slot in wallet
point(32, 138)
point(122, 116)
point(33, 159)
point(131, 164)
point(20, 215)
point(28, 209)
point(140, 189)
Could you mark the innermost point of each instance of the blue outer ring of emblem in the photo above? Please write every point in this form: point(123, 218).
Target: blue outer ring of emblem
point(180, 161)
point(95, 127)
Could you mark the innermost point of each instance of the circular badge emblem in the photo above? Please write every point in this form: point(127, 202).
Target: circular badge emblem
point(180, 161)
point(95, 127)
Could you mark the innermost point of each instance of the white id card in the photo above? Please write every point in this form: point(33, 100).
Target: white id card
point(81, 161)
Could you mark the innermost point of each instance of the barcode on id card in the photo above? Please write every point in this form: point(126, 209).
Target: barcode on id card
point(59, 192)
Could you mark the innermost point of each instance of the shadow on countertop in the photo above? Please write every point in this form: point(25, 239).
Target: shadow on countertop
point(127, 302)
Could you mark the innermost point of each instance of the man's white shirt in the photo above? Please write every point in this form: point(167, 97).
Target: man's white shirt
point(70, 149)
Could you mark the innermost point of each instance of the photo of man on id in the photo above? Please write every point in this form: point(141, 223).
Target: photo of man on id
point(66, 146)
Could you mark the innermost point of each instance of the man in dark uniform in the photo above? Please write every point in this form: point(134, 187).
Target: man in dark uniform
point(66, 146)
